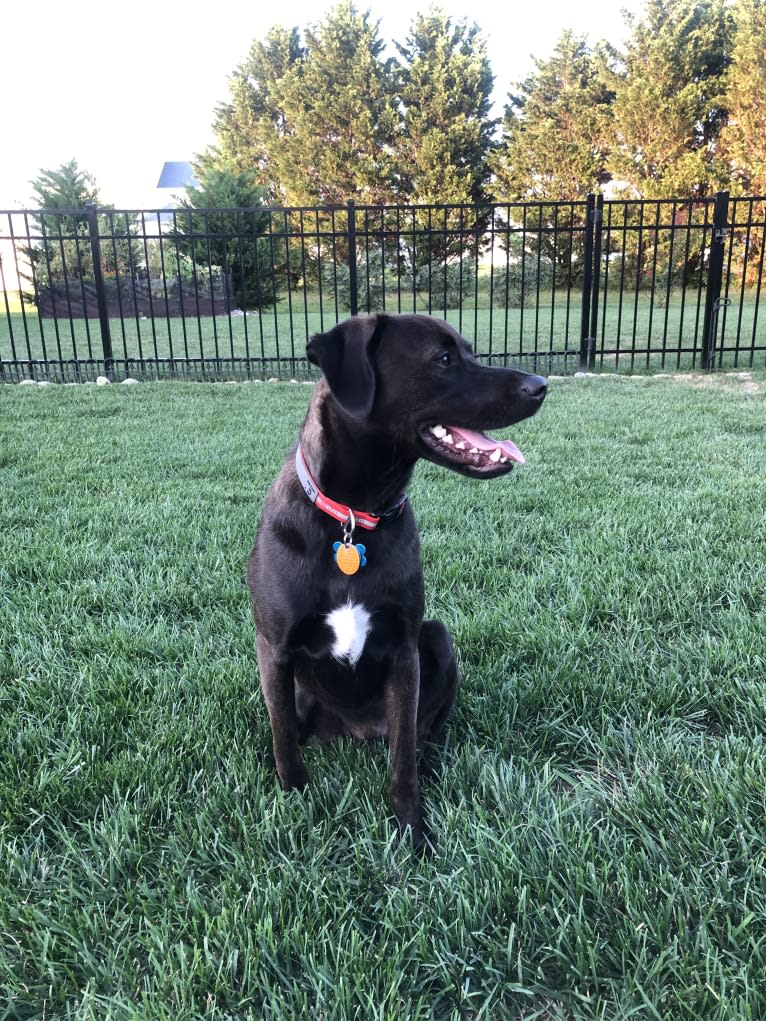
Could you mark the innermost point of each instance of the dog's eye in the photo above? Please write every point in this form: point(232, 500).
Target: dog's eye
point(444, 358)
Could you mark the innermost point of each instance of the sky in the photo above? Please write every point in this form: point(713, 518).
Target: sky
point(122, 88)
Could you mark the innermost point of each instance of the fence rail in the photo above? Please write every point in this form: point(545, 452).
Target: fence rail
point(235, 293)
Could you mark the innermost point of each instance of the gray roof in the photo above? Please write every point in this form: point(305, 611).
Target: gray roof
point(176, 175)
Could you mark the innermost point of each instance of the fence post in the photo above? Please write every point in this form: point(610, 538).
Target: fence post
point(586, 342)
point(598, 229)
point(98, 279)
point(353, 297)
point(714, 278)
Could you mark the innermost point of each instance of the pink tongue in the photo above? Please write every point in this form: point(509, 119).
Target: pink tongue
point(482, 442)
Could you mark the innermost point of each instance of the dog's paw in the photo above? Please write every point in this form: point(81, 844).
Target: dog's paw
point(427, 772)
point(296, 776)
point(409, 815)
point(418, 836)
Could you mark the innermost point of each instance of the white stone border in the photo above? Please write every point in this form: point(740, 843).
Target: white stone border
point(701, 379)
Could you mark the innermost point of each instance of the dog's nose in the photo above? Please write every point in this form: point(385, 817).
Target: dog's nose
point(535, 387)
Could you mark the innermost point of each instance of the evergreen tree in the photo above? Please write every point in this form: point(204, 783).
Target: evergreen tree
point(67, 187)
point(669, 103)
point(555, 128)
point(445, 87)
point(253, 125)
point(344, 114)
point(553, 150)
point(317, 121)
point(65, 253)
point(224, 227)
point(743, 139)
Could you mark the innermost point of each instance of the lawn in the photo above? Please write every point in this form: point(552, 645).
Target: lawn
point(635, 332)
point(601, 806)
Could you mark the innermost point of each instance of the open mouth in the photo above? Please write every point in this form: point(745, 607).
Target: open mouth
point(472, 451)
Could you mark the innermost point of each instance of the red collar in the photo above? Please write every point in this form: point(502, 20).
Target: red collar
point(340, 511)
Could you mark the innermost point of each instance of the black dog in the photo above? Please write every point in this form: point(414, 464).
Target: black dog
point(335, 574)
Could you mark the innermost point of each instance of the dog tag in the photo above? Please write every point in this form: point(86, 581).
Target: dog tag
point(349, 558)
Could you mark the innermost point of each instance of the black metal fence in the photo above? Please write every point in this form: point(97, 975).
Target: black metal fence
point(235, 293)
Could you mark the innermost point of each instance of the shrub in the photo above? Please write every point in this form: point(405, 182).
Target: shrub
point(518, 282)
point(378, 282)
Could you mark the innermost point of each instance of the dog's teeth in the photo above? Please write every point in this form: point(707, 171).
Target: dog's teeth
point(448, 438)
point(461, 445)
point(439, 431)
point(495, 455)
point(474, 450)
point(503, 460)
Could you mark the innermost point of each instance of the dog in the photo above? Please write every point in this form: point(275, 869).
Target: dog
point(341, 642)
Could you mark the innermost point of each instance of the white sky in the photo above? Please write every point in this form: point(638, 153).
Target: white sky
point(124, 87)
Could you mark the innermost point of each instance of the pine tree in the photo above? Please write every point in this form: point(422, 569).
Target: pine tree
point(743, 139)
point(63, 252)
point(553, 151)
point(555, 128)
point(669, 103)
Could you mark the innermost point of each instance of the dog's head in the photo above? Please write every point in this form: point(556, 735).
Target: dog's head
point(414, 376)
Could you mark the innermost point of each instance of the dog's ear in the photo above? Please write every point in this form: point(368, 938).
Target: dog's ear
point(345, 356)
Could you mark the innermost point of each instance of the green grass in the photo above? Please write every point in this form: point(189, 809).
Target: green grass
point(601, 812)
point(631, 324)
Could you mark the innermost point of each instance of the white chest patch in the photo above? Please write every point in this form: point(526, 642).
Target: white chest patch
point(351, 624)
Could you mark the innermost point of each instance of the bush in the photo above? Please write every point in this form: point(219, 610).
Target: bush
point(447, 284)
point(381, 283)
point(378, 283)
point(517, 283)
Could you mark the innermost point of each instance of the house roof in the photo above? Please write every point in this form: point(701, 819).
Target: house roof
point(176, 175)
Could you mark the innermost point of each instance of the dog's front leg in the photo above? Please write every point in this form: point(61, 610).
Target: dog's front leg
point(402, 710)
point(278, 685)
